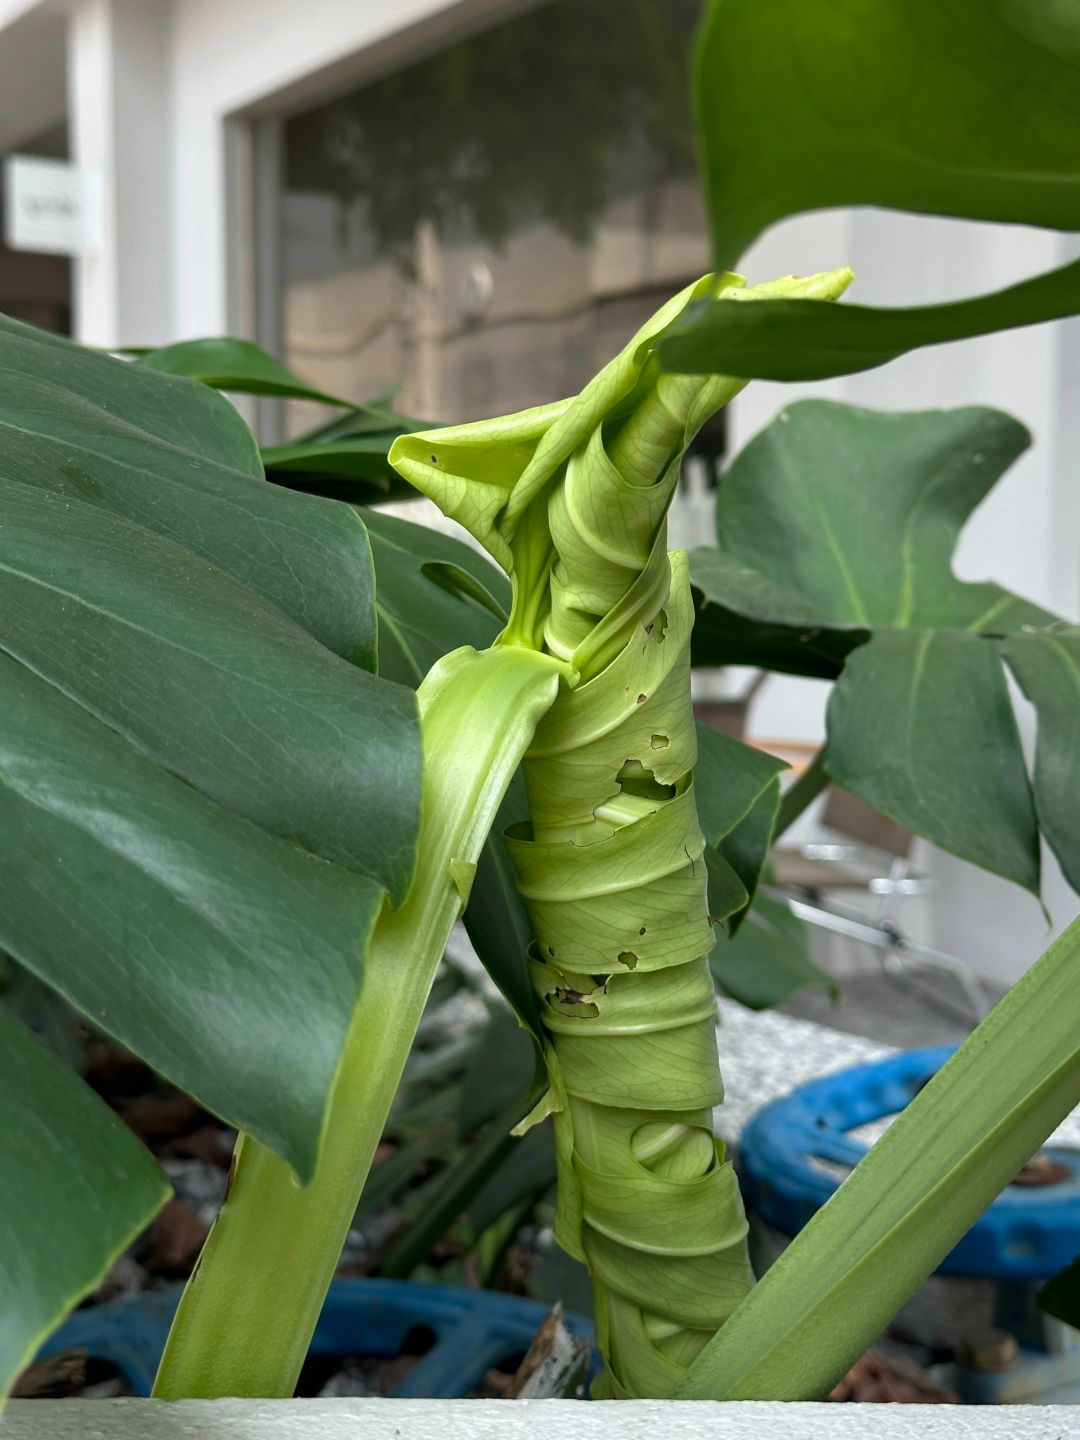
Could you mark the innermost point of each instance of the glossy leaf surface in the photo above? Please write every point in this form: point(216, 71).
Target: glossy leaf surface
point(209, 680)
point(202, 806)
point(177, 459)
point(224, 956)
point(921, 727)
point(238, 366)
point(77, 1188)
point(836, 518)
point(952, 107)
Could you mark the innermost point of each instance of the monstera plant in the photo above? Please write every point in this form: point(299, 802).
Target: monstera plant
point(262, 747)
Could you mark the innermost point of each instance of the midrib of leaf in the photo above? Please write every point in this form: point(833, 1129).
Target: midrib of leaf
point(382, 615)
point(1001, 603)
point(131, 432)
point(830, 536)
point(1063, 655)
point(907, 553)
point(912, 769)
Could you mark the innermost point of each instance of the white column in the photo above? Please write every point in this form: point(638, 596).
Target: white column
point(119, 116)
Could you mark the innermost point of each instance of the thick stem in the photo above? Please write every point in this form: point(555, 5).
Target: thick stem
point(247, 1315)
point(572, 499)
point(613, 876)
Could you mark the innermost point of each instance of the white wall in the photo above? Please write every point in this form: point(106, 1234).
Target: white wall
point(162, 93)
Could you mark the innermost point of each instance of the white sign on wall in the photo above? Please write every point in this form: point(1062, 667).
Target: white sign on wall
point(51, 207)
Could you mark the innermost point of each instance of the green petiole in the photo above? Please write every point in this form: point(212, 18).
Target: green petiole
point(247, 1315)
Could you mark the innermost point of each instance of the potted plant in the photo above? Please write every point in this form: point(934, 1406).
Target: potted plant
point(238, 845)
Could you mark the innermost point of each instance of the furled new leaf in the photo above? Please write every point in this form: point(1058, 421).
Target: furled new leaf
point(77, 1188)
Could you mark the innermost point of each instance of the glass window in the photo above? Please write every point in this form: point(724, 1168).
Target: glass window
point(484, 228)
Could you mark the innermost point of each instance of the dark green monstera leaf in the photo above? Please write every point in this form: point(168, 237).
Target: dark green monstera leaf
point(836, 528)
point(205, 792)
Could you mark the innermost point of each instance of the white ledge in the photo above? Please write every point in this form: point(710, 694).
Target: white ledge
point(525, 1420)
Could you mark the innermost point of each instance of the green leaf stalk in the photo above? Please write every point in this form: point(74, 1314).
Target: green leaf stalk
point(247, 1315)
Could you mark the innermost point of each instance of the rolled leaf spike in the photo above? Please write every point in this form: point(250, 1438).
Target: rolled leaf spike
point(572, 499)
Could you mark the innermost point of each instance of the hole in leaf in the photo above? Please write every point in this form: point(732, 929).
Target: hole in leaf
point(642, 930)
point(659, 741)
point(628, 958)
point(634, 779)
point(641, 699)
point(568, 1001)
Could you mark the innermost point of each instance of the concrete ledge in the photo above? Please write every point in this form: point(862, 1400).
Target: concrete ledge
point(524, 1420)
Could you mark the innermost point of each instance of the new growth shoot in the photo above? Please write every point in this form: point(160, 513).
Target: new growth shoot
point(572, 500)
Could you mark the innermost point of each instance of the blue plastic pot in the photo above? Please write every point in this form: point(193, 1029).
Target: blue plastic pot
point(1027, 1234)
point(474, 1331)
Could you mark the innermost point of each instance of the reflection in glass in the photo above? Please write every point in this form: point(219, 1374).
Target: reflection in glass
point(486, 227)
